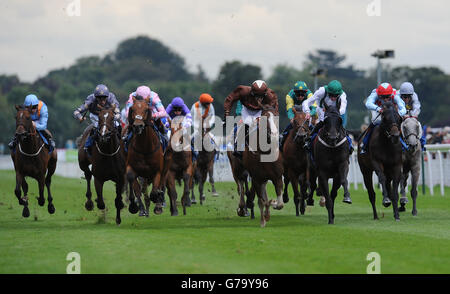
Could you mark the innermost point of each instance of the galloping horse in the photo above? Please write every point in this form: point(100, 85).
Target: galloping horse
point(32, 159)
point(107, 159)
point(262, 167)
point(181, 167)
point(145, 159)
point(411, 133)
point(296, 164)
point(204, 165)
point(331, 152)
point(385, 158)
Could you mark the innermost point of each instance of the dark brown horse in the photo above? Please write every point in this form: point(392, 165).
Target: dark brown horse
point(204, 165)
point(264, 164)
point(181, 167)
point(32, 159)
point(384, 157)
point(145, 158)
point(107, 160)
point(331, 152)
point(296, 164)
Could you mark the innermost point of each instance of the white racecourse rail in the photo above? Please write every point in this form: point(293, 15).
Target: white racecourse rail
point(436, 165)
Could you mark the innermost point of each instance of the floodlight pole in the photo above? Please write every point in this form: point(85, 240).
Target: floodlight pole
point(380, 54)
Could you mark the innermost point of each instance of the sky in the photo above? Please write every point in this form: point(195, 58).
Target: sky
point(38, 36)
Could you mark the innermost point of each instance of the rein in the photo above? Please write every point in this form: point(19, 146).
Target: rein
point(28, 154)
point(107, 154)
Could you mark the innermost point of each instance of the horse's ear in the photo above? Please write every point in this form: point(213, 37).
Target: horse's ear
point(294, 111)
point(17, 107)
point(134, 99)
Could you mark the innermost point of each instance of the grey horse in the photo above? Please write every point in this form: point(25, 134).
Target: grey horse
point(411, 133)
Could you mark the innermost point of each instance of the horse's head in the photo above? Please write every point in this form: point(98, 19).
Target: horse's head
point(390, 122)
point(332, 127)
point(411, 132)
point(300, 125)
point(24, 124)
point(139, 115)
point(106, 124)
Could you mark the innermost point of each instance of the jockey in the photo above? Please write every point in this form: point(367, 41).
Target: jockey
point(178, 108)
point(330, 95)
point(103, 98)
point(296, 96)
point(158, 113)
point(203, 115)
point(383, 93)
point(39, 117)
point(250, 97)
point(410, 99)
point(412, 104)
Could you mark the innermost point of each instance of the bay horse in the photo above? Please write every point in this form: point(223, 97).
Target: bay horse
point(107, 161)
point(32, 159)
point(331, 153)
point(204, 165)
point(411, 132)
point(145, 158)
point(384, 157)
point(181, 167)
point(262, 169)
point(297, 168)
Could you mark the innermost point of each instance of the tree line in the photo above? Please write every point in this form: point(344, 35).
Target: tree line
point(143, 60)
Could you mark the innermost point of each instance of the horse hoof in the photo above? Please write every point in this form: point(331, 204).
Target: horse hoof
point(347, 200)
point(89, 205)
point(310, 202)
point(404, 200)
point(414, 212)
point(397, 219)
point(322, 201)
point(51, 209)
point(118, 221)
point(285, 199)
point(143, 213)
point(194, 201)
point(157, 210)
point(242, 212)
point(133, 208)
point(175, 213)
point(215, 194)
point(402, 208)
point(25, 212)
point(386, 204)
point(41, 201)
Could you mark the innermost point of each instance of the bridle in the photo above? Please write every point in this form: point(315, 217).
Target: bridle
point(26, 135)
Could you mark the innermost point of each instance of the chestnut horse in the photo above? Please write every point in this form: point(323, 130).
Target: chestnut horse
point(107, 159)
point(32, 159)
point(181, 167)
point(296, 164)
point(384, 157)
point(145, 159)
point(264, 165)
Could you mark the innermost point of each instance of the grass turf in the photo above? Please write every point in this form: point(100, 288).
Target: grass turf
point(213, 239)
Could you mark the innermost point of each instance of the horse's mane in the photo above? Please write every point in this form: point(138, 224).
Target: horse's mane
point(332, 111)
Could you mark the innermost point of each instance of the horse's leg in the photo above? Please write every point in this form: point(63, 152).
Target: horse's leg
point(312, 187)
point(41, 186)
point(337, 182)
point(200, 186)
point(294, 181)
point(211, 180)
point(382, 181)
point(286, 188)
point(131, 178)
point(24, 189)
point(259, 193)
point(303, 193)
point(415, 171)
point(250, 203)
point(48, 181)
point(403, 184)
point(99, 190)
point(138, 194)
point(89, 205)
point(323, 185)
point(172, 192)
point(368, 182)
point(185, 197)
point(22, 200)
point(394, 191)
point(118, 201)
point(241, 211)
point(156, 194)
point(266, 201)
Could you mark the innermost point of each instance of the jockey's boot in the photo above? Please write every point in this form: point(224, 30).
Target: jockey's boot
point(89, 141)
point(237, 153)
point(49, 138)
point(365, 140)
point(13, 143)
point(194, 153)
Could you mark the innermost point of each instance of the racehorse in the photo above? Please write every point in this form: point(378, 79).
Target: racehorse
point(240, 176)
point(107, 160)
point(331, 152)
point(296, 164)
point(32, 159)
point(180, 168)
point(384, 156)
point(204, 165)
point(411, 133)
point(261, 168)
point(145, 159)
